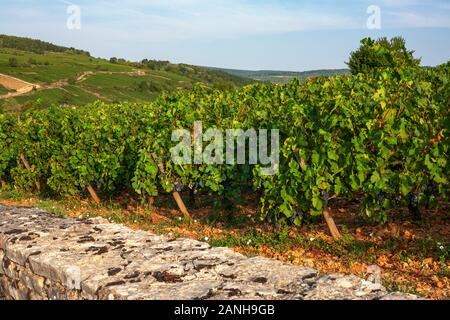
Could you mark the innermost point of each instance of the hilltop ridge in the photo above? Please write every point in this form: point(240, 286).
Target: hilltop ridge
point(62, 75)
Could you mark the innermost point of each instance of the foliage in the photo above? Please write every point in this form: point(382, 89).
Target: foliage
point(380, 139)
point(381, 54)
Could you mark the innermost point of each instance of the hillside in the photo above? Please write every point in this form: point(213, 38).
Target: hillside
point(61, 75)
point(281, 76)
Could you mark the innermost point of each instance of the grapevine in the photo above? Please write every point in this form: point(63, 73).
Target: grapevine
point(381, 139)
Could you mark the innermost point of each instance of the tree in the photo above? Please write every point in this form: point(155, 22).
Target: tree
point(113, 60)
point(12, 62)
point(381, 54)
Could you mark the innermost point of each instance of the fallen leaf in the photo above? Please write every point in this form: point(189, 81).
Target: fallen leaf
point(407, 235)
point(382, 260)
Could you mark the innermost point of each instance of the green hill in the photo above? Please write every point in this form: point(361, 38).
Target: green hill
point(281, 76)
point(64, 75)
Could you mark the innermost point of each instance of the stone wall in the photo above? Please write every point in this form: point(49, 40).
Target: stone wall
point(43, 256)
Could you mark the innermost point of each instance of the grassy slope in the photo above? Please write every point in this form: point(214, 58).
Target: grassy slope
point(50, 67)
point(61, 65)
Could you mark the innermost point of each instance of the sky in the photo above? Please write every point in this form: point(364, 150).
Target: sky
point(241, 34)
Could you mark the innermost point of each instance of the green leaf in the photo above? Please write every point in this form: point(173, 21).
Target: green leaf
point(375, 177)
point(317, 203)
point(332, 155)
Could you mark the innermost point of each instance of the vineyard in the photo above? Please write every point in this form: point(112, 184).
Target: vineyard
point(381, 140)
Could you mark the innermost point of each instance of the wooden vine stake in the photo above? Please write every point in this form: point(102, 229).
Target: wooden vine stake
point(176, 195)
point(28, 167)
point(151, 202)
point(2, 183)
point(327, 212)
point(331, 225)
point(180, 203)
point(93, 194)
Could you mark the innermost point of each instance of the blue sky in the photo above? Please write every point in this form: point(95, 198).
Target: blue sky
point(244, 34)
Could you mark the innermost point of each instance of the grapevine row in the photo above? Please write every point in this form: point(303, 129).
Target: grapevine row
point(379, 139)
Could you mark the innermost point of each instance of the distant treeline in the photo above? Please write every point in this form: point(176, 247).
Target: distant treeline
point(270, 75)
point(36, 46)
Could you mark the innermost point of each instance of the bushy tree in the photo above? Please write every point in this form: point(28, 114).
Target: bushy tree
point(12, 62)
point(383, 53)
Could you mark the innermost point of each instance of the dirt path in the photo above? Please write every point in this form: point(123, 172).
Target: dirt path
point(158, 76)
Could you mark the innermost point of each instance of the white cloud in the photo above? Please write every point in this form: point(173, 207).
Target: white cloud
point(184, 19)
point(414, 20)
point(414, 13)
point(154, 21)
